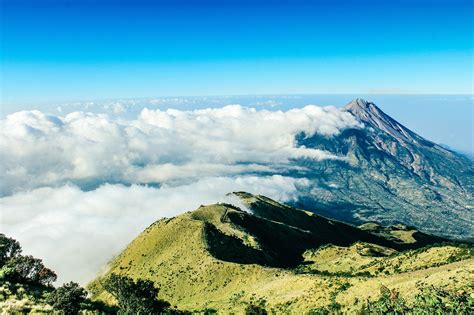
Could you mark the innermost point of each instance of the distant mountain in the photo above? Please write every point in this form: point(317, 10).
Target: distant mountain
point(391, 175)
point(222, 258)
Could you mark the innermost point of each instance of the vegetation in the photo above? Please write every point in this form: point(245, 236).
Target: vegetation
point(67, 298)
point(219, 258)
point(135, 297)
point(9, 249)
point(252, 309)
point(256, 307)
point(26, 286)
point(430, 300)
point(369, 260)
point(23, 269)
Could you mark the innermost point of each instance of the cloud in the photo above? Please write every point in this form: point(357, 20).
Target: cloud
point(77, 232)
point(170, 146)
point(73, 186)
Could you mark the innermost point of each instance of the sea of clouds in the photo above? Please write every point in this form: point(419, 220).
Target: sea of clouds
point(75, 189)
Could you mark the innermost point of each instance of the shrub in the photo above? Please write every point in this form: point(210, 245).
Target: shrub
point(332, 308)
point(135, 297)
point(253, 309)
point(389, 302)
point(430, 300)
point(67, 298)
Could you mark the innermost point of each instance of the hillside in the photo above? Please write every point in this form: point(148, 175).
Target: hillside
point(390, 175)
point(222, 257)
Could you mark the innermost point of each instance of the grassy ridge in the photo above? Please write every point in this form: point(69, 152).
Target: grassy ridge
point(220, 257)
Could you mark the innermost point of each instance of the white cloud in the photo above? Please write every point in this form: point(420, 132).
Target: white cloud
point(196, 157)
point(158, 146)
point(77, 232)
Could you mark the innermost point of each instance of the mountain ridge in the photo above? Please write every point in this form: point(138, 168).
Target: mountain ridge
point(368, 113)
point(222, 257)
point(390, 175)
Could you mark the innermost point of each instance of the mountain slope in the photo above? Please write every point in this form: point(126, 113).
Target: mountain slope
point(222, 257)
point(391, 175)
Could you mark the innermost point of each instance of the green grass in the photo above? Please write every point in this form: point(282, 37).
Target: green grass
point(221, 258)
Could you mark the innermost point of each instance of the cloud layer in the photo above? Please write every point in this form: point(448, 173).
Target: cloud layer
point(73, 188)
point(158, 146)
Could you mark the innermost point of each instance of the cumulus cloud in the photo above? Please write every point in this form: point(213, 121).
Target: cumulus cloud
point(170, 146)
point(77, 187)
point(77, 232)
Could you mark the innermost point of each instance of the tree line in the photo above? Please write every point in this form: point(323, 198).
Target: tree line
point(132, 296)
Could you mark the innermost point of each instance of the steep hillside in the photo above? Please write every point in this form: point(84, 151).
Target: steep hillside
point(222, 257)
point(391, 175)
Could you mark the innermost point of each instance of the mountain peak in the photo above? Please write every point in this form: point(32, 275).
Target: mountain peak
point(360, 107)
point(358, 102)
point(369, 114)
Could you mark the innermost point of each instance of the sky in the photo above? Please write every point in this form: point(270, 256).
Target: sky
point(56, 50)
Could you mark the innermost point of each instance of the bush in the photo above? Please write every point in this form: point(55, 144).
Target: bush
point(389, 302)
point(430, 300)
point(67, 298)
point(97, 307)
point(253, 309)
point(138, 297)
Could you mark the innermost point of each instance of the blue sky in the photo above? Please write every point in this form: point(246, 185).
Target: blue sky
point(73, 50)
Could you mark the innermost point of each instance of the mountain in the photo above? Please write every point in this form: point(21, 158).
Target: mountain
point(391, 175)
point(224, 257)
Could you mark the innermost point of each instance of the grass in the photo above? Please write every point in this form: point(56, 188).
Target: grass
point(221, 258)
point(17, 298)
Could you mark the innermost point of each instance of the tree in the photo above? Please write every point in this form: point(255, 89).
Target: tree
point(9, 248)
point(138, 297)
point(68, 298)
point(17, 267)
point(31, 269)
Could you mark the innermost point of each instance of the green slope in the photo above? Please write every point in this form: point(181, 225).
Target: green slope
point(223, 258)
